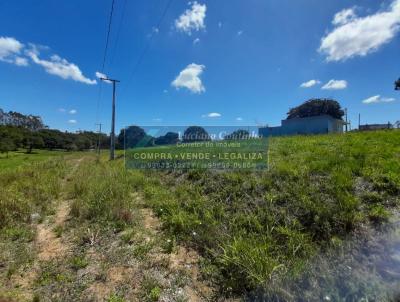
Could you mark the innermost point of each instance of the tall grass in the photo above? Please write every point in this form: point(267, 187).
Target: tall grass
point(103, 192)
point(258, 227)
point(254, 229)
point(29, 189)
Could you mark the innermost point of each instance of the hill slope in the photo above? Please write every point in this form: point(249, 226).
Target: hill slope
point(310, 227)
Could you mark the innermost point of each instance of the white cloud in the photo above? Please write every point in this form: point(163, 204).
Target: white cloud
point(239, 119)
point(59, 67)
point(20, 61)
point(240, 32)
point(344, 16)
point(100, 76)
point(165, 91)
point(14, 52)
point(72, 121)
point(195, 41)
point(61, 110)
point(335, 85)
point(73, 111)
point(310, 83)
point(219, 24)
point(212, 115)
point(10, 49)
point(359, 36)
point(192, 19)
point(377, 99)
point(9, 46)
point(190, 78)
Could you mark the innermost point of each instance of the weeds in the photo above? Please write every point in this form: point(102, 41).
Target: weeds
point(78, 262)
point(105, 194)
point(151, 289)
point(29, 189)
point(262, 226)
point(255, 230)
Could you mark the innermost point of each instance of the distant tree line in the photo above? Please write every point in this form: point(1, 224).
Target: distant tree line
point(12, 118)
point(29, 132)
point(16, 137)
point(135, 136)
point(19, 131)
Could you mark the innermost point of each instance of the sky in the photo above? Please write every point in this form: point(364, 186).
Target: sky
point(225, 62)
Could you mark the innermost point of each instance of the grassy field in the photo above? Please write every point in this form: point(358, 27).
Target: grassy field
point(76, 228)
point(18, 158)
point(263, 228)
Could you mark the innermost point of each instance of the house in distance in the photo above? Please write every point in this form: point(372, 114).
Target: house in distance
point(316, 116)
point(371, 127)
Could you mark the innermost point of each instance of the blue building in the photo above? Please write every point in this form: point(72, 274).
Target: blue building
point(307, 125)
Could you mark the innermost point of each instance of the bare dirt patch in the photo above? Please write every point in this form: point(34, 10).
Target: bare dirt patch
point(150, 222)
point(47, 244)
point(118, 275)
point(184, 259)
point(187, 260)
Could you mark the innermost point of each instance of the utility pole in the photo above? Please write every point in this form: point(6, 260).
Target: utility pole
point(345, 111)
point(112, 135)
point(99, 139)
point(359, 120)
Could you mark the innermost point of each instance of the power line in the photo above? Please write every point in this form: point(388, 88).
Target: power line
point(146, 48)
point(118, 32)
point(108, 35)
point(104, 60)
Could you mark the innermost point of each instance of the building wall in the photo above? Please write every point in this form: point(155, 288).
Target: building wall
point(310, 125)
point(375, 127)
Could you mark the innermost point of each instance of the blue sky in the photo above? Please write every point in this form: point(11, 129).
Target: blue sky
point(221, 62)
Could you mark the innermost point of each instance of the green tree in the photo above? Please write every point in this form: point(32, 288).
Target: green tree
point(6, 145)
point(15, 134)
point(170, 138)
point(52, 139)
point(195, 134)
point(82, 143)
point(134, 136)
point(33, 140)
point(70, 146)
point(397, 84)
point(316, 107)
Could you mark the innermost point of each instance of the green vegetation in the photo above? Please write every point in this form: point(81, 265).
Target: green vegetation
point(16, 159)
point(28, 131)
point(255, 231)
point(316, 107)
point(151, 289)
point(29, 190)
point(262, 226)
point(78, 262)
point(105, 195)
